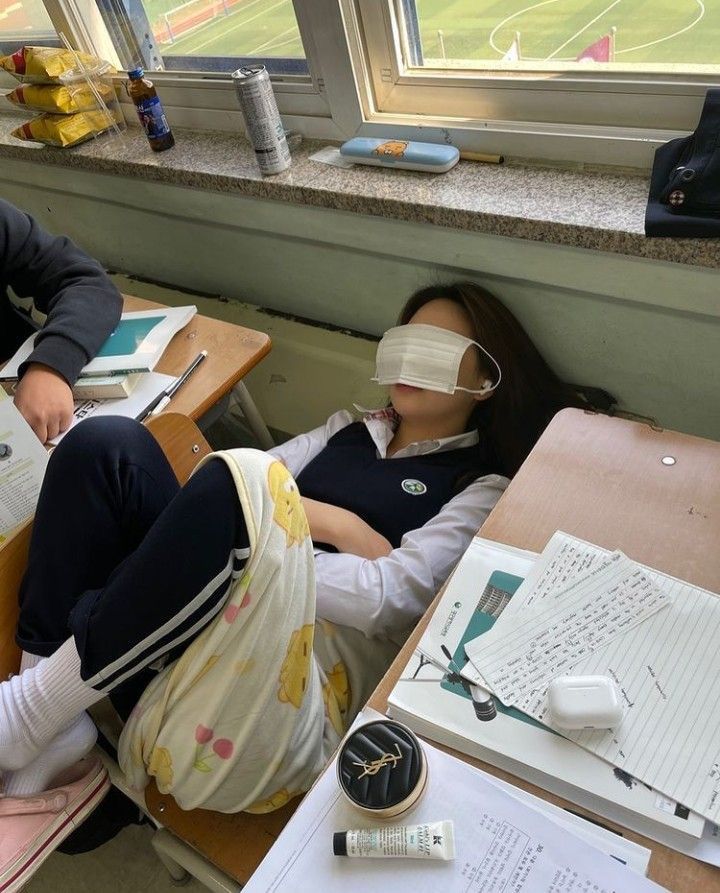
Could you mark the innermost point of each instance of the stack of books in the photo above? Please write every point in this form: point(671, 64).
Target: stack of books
point(130, 353)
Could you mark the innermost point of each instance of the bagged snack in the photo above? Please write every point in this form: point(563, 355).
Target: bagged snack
point(65, 130)
point(43, 65)
point(57, 99)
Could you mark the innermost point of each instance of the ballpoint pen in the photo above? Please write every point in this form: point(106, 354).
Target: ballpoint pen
point(162, 400)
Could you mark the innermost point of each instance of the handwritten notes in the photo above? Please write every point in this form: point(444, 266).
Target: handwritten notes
point(667, 669)
point(519, 656)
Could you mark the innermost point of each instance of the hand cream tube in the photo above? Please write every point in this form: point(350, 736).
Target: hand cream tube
point(427, 841)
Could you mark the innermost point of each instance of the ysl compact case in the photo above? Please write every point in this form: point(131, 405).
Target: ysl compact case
point(382, 768)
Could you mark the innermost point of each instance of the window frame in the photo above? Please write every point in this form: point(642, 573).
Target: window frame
point(617, 118)
point(357, 84)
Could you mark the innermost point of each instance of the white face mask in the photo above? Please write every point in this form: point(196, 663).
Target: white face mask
point(425, 357)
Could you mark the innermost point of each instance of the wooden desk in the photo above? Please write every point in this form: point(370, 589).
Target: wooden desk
point(602, 479)
point(232, 352)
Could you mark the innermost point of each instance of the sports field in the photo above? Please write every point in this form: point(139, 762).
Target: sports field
point(240, 28)
point(648, 31)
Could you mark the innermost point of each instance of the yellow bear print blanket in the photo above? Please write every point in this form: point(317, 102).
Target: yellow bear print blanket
point(246, 717)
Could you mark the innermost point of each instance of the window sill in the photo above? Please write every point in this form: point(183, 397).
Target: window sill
point(594, 210)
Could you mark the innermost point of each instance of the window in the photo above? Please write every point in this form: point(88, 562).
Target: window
point(581, 80)
point(568, 79)
point(565, 35)
point(207, 35)
point(23, 21)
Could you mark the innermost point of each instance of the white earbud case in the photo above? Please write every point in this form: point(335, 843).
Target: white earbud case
point(584, 702)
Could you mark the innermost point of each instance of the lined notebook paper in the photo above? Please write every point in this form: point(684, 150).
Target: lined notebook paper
point(668, 671)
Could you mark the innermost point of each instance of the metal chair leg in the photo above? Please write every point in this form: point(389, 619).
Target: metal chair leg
point(252, 416)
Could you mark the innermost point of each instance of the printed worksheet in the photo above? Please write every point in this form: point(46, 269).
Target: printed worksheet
point(23, 460)
point(524, 652)
point(148, 388)
point(502, 843)
point(667, 670)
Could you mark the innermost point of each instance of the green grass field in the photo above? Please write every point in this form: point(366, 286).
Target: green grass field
point(648, 31)
point(253, 28)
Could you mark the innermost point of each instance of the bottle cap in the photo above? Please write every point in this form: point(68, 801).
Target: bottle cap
point(340, 843)
point(136, 73)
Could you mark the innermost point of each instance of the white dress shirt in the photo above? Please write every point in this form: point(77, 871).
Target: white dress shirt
point(387, 596)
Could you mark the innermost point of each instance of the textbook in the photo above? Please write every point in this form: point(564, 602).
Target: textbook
point(435, 700)
point(106, 387)
point(136, 345)
point(23, 460)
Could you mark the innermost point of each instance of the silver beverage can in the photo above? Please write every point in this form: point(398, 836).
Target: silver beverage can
point(265, 129)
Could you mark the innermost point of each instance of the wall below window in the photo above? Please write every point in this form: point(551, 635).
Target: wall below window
point(645, 330)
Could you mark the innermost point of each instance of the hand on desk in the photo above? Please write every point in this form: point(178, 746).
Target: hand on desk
point(345, 530)
point(45, 399)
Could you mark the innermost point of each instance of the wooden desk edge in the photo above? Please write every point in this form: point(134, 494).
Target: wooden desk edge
point(219, 392)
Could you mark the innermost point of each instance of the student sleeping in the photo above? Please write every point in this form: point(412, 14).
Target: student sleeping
point(240, 622)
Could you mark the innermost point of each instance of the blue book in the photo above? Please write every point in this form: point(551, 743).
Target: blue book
point(136, 345)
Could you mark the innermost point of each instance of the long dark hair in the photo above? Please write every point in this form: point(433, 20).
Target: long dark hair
point(529, 394)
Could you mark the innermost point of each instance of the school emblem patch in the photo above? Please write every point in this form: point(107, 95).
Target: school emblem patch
point(413, 487)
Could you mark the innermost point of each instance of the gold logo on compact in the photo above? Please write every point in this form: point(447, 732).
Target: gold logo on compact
point(374, 766)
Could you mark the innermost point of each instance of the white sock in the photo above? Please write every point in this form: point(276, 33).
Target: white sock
point(65, 749)
point(39, 703)
point(28, 661)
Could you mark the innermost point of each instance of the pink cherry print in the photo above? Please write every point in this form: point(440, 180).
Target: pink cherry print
point(223, 747)
point(203, 734)
point(231, 612)
point(246, 600)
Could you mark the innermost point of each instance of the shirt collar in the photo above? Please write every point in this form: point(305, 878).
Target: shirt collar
point(382, 425)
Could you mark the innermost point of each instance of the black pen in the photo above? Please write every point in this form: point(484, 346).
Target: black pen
point(162, 400)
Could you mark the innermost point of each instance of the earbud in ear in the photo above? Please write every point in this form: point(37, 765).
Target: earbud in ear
point(487, 385)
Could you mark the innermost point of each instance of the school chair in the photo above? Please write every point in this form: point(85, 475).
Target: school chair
point(213, 847)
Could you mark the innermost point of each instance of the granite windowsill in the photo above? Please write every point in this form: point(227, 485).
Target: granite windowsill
point(592, 210)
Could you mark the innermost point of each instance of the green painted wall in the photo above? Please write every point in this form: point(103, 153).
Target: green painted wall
point(645, 330)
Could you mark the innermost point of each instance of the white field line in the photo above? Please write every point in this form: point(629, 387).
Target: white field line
point(642, 46)
point(235, 27)
point(270, 44)
point(504, 22)
point(582, 30)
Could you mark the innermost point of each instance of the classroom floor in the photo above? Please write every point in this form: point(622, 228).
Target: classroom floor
point(126, 864)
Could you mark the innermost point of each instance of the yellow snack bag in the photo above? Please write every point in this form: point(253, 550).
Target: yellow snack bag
point(58, 99)
point(42, 65)
point(65, 130)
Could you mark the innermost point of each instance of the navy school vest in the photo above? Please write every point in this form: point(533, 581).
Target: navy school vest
point(392, 495)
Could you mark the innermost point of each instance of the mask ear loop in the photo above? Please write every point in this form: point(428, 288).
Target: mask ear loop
point(499, 372)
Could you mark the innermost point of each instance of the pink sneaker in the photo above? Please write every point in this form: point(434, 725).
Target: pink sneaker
point(32, 827)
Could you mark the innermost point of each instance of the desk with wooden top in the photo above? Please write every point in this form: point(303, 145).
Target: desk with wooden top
point(598, 478)
point(604, 480)
point(232, 352)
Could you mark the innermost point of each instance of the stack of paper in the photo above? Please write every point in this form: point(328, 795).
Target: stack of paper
point(150, 386)
point(505, 839)
point(23, 460)
point(434, 697)
point(656, 636)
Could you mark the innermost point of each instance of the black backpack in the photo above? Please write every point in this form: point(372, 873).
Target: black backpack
point(684, 199)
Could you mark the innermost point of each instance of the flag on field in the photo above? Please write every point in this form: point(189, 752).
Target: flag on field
point(513, 53)
point(602, 50)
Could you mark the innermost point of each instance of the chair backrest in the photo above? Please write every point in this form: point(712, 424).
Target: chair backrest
point(183, 444)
